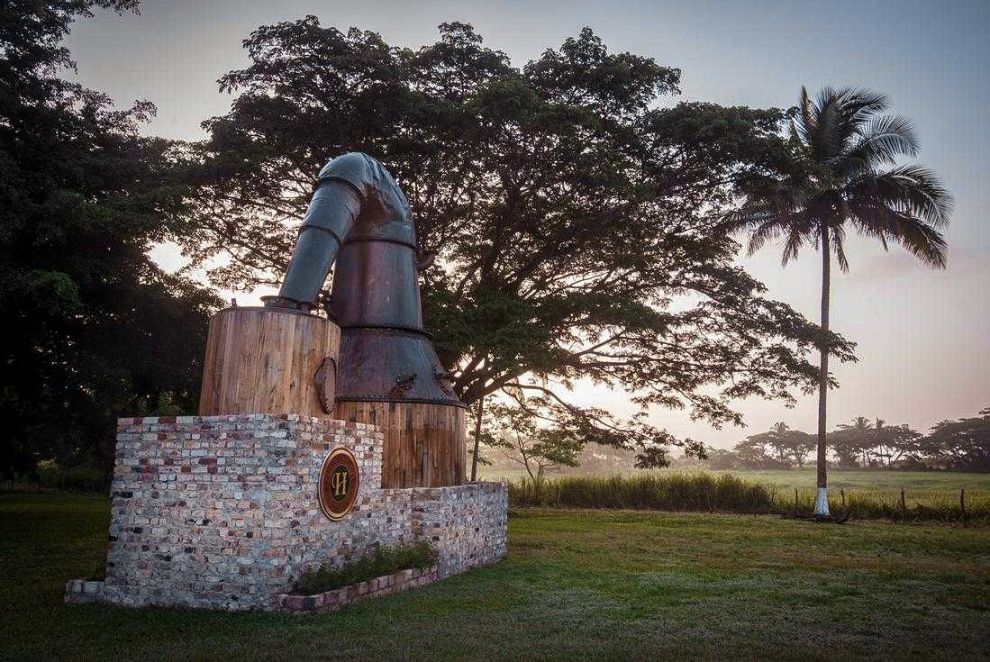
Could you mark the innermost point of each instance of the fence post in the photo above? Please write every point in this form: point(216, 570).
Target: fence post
point(903, 503)
point(842, 493)
point(962, 501)
point(795, 500)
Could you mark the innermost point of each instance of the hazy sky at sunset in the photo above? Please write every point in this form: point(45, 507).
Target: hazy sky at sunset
point(924, 336)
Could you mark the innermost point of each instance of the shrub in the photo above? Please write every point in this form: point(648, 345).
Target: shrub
point(383, 561)
point(84, 476)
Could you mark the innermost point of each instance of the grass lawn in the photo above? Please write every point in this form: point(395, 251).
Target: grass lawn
point(614, 584)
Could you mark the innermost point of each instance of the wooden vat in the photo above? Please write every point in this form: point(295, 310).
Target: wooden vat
point(265, 361)
point(424, 442)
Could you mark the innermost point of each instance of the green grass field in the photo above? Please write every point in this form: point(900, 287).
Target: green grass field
point(587, 584)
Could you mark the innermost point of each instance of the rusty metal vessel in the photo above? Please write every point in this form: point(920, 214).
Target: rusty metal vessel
point(388, 372)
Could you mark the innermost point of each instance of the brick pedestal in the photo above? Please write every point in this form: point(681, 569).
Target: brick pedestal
point(222, 511)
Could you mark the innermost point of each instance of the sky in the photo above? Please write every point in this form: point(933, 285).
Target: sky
point(923, 336)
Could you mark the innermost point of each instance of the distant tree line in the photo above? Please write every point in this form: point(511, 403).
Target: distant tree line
point(960, 445)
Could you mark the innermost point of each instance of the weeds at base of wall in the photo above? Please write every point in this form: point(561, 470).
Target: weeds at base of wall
point(383, 561)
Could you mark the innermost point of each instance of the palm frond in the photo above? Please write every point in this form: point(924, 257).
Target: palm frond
point(842, 114)
point(763, 234)
point(922, 240)
point(828, 111)
point(875, 219)
point(798, 134)
point(890, 136)
point(806, 124)
point(769, 231)
point(796, 239)
point(881, 141)
point(839, 247)
point(747, 217)
point(860, 104)
point(807, 110)
point(912, 189)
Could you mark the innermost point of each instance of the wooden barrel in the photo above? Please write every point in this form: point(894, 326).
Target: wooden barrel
point(424, 442)
point(267, 360)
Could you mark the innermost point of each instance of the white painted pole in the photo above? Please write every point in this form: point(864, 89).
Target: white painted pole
point(821, 503)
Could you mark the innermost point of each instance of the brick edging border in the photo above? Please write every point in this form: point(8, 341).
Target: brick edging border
point(346, 595)
point(83, 591)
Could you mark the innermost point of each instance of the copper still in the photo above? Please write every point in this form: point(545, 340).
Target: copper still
point(388, 373)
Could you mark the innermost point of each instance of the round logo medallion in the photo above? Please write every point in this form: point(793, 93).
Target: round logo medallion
point(338, 483)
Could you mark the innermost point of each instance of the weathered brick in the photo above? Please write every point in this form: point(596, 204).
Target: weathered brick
point(191, 535)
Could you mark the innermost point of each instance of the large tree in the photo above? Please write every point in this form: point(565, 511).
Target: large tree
point(874, 443)
point(566, 216)
point(94, 329)
point(845, 176)
point(778, 448)
point(960, 445)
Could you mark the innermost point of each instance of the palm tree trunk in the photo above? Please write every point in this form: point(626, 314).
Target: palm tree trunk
point(477, 439)
point(821, 498)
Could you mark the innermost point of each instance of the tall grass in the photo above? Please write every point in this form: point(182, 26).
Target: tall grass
point(666, 491)
point(892, 504)
point(724, 492)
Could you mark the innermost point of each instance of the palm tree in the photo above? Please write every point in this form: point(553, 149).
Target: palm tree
point(845, 175)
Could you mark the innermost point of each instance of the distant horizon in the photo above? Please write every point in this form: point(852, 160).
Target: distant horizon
point(923, 345)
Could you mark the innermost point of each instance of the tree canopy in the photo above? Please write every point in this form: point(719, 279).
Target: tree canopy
point(874, 443)
point(566, 214)
point(95, 329)
point(960, 445)
point(778, 448)
point(846, 175)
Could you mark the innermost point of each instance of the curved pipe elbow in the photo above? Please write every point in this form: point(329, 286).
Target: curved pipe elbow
point(360, 219)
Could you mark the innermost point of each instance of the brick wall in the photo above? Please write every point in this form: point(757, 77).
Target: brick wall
point(222, 511)
point(466, 522)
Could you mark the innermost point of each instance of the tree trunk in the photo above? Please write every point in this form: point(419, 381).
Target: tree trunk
point(821, 499)
point(477, 439)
